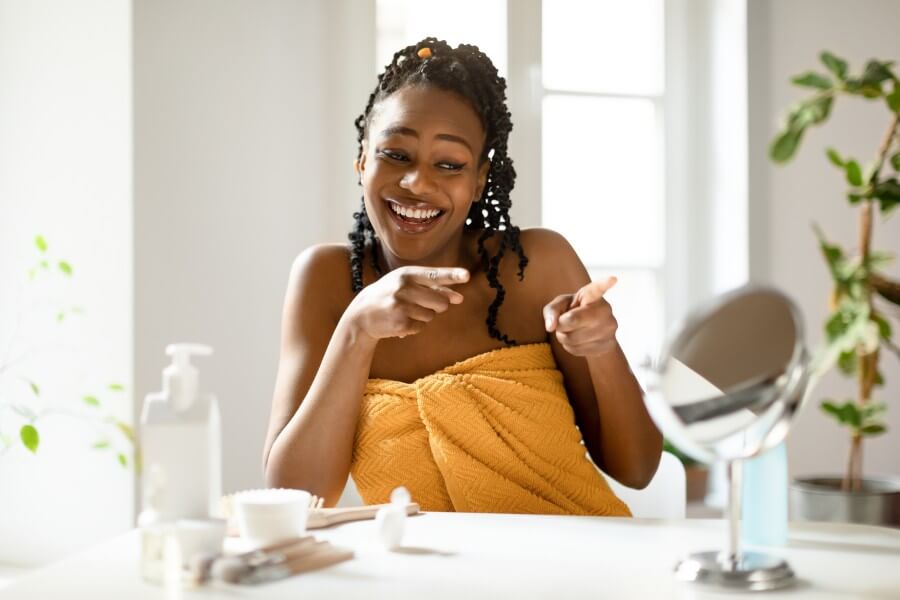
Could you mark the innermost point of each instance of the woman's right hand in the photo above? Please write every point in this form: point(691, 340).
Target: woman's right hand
point(404, 301)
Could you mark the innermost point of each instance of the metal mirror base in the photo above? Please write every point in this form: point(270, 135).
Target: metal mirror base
point(753, 571)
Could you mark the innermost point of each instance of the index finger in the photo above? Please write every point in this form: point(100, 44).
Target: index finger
point(432, 276)
point(593, 291)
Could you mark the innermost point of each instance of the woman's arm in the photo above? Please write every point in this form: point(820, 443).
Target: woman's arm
point(605, 395)
point(326, 356)
point(322, 373)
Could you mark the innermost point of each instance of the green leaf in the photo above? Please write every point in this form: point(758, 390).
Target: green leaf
point(847, 414)
point(847, 362)
point(854, 198)
point(884, 328)
point(871, 91)
point(30, 437)
point(853, 86)
point(813, 80)
point(837, 66)
point(116, 387)
point(870, 430)
point(893, 99)
point(126, 429)
point(879, 378)
point(833, 254)
point(686, 460)
point(847, 328)
point(785, 145)
point(101, 445)
point(854, 173)
point(34, 388)
point(876, 72)
point(123, 460)
point(834, 157)
point(895, 161)
point(41, 243)
point(65, 267)
point(818, 109)
point(888, 194)
point(877, 260)
point(872, 409)
point(91, 401)
point(61, 316)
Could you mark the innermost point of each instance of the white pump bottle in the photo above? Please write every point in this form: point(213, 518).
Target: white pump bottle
point(181, 440)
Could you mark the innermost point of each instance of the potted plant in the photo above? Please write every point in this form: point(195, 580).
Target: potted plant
point(857, 330)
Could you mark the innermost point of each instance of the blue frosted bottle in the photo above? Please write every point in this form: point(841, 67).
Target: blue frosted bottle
point(764, 520)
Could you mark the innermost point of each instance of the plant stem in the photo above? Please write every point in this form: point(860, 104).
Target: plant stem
point(885, 146)
point(867, 362)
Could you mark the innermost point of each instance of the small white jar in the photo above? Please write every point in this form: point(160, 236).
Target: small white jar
point(266, 516)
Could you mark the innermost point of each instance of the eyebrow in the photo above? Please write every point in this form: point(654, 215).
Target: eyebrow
point(400, 130)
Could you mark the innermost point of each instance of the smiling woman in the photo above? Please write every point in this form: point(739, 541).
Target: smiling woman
point(397, 363)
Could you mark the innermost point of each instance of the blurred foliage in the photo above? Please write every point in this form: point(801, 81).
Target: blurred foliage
point(23, 407)
point(855, 332)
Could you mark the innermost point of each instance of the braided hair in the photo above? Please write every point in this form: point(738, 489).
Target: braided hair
point(467, 71)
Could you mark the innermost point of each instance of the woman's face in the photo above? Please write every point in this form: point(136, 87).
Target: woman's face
point(421, 171)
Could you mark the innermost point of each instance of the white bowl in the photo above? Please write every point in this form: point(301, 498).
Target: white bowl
point(269, 515)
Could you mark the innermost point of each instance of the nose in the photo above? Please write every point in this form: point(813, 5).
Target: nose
point(418, 181)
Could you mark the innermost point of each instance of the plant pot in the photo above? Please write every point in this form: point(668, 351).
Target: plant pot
point(696, 483)
point(877, 502)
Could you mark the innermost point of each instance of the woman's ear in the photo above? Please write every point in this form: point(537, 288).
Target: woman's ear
point(359, 165)
point(482, 179)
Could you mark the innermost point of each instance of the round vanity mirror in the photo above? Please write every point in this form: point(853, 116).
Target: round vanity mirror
point(725, 388)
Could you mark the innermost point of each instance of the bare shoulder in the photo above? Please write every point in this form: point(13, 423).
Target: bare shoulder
point(552, 262)
point(320, 277)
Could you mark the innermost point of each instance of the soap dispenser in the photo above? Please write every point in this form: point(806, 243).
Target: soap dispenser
point(181, 440)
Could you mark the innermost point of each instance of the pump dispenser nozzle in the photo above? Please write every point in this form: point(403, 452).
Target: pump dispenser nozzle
point(180, 379)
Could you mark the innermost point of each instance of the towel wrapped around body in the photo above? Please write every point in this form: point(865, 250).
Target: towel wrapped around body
point(493, 433)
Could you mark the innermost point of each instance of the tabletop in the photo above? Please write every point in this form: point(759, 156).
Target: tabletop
point(460, 555)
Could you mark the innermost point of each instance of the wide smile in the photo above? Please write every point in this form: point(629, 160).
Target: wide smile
point(413, 219)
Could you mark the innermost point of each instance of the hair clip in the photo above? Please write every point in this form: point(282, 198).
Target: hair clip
point(424, 52)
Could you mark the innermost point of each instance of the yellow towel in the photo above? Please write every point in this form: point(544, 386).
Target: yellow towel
point(493, 433)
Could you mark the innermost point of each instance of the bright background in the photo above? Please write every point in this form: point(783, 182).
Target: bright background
point(181, 153)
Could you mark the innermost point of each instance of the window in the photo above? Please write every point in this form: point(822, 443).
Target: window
point(601, 151)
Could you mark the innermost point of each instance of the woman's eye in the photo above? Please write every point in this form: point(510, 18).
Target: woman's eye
point(451, 166)
point(392, 155)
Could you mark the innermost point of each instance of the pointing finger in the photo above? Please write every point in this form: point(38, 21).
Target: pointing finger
point(436, 276)
point(593, 291)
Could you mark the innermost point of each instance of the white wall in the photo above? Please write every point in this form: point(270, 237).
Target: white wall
point(244, 143)
point(785, 38)
point(65, 172)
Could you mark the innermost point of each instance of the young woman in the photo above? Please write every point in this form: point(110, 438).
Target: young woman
point(444, 349)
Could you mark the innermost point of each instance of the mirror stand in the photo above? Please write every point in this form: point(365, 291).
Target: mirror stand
point(752, 571)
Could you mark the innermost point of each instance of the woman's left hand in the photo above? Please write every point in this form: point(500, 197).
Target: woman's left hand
point(583, 322)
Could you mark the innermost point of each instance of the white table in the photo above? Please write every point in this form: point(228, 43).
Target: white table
point(454, 555)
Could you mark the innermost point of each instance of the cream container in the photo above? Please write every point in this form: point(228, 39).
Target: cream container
point(265, 516)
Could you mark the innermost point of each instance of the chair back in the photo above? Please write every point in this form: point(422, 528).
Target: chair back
point(665, 497)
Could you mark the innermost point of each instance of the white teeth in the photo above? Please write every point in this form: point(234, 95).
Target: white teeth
point(414, 213)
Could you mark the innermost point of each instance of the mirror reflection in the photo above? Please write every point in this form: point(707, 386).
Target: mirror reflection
point(733, 376)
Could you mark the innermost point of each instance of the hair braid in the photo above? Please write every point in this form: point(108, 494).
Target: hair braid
point(467, 71)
